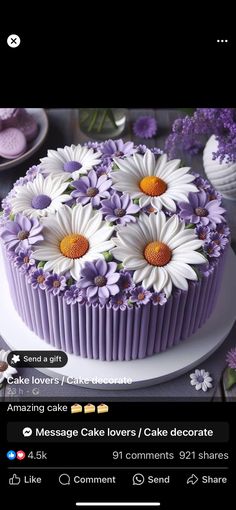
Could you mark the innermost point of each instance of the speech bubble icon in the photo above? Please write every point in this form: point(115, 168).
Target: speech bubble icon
point(27, 432)
point(64, 479)
point(138, 479)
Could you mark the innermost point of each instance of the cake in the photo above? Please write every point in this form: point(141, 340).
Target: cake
point(112, 252)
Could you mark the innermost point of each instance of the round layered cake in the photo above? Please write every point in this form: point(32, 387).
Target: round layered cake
point(112, 252)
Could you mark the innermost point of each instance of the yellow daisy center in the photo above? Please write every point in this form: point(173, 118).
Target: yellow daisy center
point(157, 254)
point(152, 186)
point(74, 246)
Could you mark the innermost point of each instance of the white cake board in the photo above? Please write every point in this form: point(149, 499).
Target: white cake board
point(144, 372)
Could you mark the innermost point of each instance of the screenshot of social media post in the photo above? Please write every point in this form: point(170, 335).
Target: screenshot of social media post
point(117, 304)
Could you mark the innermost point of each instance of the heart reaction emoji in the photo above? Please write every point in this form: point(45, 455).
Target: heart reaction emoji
point(20, 455)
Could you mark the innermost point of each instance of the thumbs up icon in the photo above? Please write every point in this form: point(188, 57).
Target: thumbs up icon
point(14, 480)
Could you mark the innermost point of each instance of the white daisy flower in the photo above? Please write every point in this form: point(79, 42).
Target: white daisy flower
point(40, 197)
point(5, 369)
point(70, 161)
point(71, 237)
point(201, 380)
point(159, 183)
point(159, 250)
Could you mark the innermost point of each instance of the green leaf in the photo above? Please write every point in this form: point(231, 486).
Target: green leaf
point(120, 266)
point(70, 281)
point(41, 263)
point(107, 256)
point(136, 201)
point(12, 216)
point(191, 225)
point(230, 377)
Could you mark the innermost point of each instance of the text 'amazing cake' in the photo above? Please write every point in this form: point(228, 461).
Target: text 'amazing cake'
point(112, 251)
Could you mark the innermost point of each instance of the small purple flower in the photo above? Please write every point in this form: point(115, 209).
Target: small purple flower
point(212, 249)
point(141, 149)
point(223, 229)
point(119, 301)
point(119, 209)
point(213, 194)
point(145, 127)
point(103, 169)
point(203, 232)
point(158, 298)
point(219, 239)
point(140, 296)
point(24, 261)
point(92, 145)
point(148, 209)
point(202, 184)
point(200, 210)
point(100, 280)
point(125, 282)
point(74, 295)
point(205, 269)
point(55, 284)
point(116, 148)
point(91, 188)
point(38, 279)
point(21, 233)
point(231, 358)
point(33, 172)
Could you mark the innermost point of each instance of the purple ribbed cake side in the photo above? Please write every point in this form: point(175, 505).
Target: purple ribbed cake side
point(101, 332)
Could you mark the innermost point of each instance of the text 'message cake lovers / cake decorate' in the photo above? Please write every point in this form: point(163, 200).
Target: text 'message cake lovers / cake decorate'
point(112, 252)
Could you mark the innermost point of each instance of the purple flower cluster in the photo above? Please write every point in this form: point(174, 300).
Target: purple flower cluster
point(145, 127)
point(231, 358)
point(188, 132)
point(116, 148)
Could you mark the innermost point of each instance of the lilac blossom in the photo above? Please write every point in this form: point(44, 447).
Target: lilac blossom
point(231, 358)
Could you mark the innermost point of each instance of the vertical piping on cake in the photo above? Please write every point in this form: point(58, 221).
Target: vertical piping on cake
point(129, 332)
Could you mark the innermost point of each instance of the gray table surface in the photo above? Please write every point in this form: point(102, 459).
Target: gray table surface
point(64, 130)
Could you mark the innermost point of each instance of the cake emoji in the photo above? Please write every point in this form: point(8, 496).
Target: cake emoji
point(89, 408)
point(102, 408)
point(76, 408)
point(112, 252)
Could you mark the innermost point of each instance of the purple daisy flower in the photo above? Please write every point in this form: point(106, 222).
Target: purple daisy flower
point(119, 209)
point(103, 169)
point(116, 148)
point(219, 239)
point(24, 261)
point(231, 358)
point(158, 298)
point(91, 188)
point(213, 194)
point(100, 280)
point(222, 229)
point(74, 295)
point(119, 301)
point(55, 284)
point(140, 295)
point(19, 234)
point(38, 279)
point(145, 127)
point(92, 145)
point(125, 282)
point(212, 249)
point(203, 232)
point(200, 210)
point(202, 184)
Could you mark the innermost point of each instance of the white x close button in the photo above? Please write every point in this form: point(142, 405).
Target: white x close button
point(13, 40)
